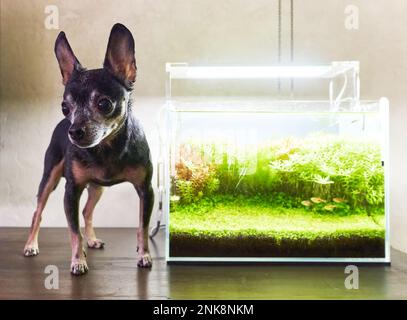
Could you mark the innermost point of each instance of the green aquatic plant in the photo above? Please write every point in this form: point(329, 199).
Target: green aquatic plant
point(287, 171)
point(318, 196)
point(331, 166)
point(240, 226)
point(186, 191)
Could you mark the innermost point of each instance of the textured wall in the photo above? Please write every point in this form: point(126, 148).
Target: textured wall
point(197, 31)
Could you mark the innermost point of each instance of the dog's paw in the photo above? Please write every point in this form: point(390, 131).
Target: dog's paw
point(31, 251)
point(144, 261)
point(95, 243)
point(79, 267)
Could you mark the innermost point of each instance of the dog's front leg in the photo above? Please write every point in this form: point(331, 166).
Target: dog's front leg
point(71, 203)
point(146, 195)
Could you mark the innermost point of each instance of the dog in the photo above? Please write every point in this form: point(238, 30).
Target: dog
point(98, 143)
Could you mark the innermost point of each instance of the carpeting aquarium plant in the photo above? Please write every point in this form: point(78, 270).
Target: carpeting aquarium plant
point(319, 196)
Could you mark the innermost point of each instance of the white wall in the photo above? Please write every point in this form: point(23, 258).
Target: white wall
point(197, 31)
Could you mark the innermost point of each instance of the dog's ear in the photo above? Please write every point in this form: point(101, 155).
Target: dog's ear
point(120, 60)
point(66, 58)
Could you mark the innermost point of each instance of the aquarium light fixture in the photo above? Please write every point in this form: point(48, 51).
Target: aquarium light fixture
point(183, 71)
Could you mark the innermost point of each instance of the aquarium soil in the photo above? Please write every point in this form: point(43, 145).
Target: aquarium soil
point(187, 245)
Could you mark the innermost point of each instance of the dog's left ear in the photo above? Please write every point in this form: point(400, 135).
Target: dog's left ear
point(120, 59)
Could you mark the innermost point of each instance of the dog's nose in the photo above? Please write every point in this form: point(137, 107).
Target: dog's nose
point(76, 133)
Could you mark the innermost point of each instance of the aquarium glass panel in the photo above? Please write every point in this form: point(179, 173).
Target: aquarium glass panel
point(276, 180)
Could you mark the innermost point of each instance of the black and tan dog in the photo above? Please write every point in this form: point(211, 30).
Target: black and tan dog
point(99, 143)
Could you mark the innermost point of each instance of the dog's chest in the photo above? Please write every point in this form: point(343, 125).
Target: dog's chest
point(108, 174)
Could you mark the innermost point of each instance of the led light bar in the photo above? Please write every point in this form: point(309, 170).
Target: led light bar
point(183, 71)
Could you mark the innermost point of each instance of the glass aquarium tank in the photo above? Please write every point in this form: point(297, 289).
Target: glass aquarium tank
point(259, 179)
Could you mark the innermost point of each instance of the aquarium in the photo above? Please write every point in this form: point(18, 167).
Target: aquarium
point(257, 179)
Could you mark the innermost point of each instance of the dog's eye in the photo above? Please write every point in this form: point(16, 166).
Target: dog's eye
point(105, 106)
point(65, 109)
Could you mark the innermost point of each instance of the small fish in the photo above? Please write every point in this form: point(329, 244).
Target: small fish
point(338, 200)
point(317, 200)
point(330, 207)
point(306, 203)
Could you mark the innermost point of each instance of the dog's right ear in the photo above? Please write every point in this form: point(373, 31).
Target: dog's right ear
point(66, 58)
